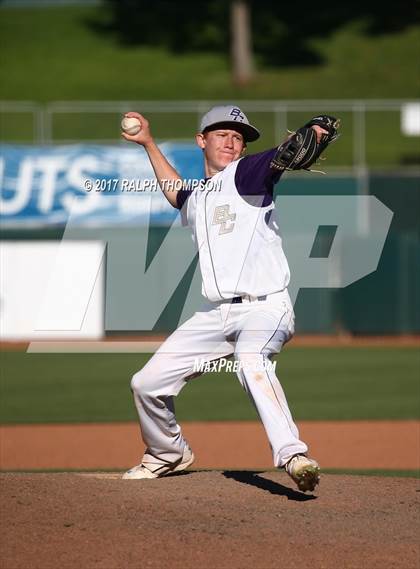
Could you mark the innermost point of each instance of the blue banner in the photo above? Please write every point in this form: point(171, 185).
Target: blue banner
point(88, 184)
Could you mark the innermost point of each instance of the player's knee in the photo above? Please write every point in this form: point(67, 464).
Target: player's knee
point(141, 384)
point(248, 361)
point(136, 382)
point(144, 383)
point(254, 367)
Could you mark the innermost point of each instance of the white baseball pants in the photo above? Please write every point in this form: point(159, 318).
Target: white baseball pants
point(252, 331)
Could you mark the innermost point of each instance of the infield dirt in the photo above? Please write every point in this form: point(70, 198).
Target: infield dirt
point(207, 519)
point(384, 445)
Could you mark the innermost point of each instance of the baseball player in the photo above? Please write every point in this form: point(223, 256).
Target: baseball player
point(245, 274)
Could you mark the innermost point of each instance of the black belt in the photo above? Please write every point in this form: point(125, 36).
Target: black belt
point(238, 299)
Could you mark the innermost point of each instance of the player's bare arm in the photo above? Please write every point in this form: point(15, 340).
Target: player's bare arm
point(164, 171)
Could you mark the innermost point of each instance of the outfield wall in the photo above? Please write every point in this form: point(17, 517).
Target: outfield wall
point(387, 301)
point(35, 305)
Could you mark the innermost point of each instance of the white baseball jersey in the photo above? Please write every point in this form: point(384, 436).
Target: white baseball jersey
point(240, 249)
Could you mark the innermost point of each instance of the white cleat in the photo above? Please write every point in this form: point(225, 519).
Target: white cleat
point(153, 470)
point(304, 471)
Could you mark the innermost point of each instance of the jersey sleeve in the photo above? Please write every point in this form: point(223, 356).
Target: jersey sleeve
point(182, 197)
point(254, 177)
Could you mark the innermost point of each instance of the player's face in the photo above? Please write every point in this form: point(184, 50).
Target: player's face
point(221, 147)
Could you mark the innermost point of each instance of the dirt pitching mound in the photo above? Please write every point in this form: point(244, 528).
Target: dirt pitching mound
point(207, 519)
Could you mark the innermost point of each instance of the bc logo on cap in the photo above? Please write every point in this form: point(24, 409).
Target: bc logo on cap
point(236, 113)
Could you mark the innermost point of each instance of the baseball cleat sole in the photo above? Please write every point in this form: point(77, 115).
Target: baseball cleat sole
point(308, 479)
point(304, 471)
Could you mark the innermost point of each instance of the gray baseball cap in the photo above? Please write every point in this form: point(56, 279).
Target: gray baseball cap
point(229, 117)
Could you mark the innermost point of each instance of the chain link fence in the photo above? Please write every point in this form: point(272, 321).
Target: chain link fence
point(375, 133)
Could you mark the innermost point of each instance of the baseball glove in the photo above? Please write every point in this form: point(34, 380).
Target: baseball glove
point(302, 149)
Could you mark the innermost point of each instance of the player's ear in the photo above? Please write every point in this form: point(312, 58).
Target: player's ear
point(200, 140)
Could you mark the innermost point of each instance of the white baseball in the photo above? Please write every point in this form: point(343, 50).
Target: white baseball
point(131, 125)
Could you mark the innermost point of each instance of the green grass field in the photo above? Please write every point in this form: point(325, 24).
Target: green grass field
point(62, 58)
point(321, 384)
point(53, 54)
point(373, 472)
